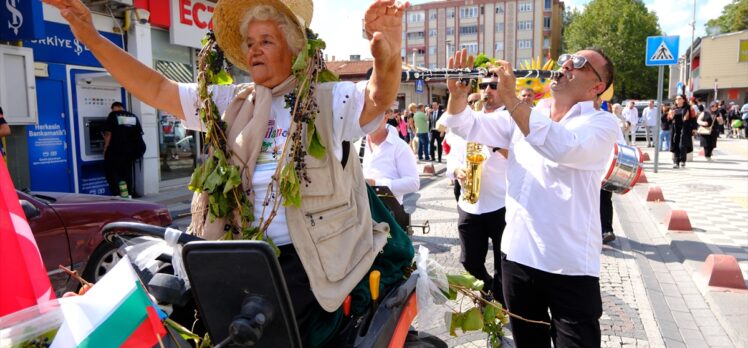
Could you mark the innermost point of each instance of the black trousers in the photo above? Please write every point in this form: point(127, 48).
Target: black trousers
point(475, 232)
point(435, 136)
point(299, 289)
point(117, 170)
point(574, 302)
point(606, 210)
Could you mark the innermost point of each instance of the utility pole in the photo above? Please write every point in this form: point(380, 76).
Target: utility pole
point(690, 53)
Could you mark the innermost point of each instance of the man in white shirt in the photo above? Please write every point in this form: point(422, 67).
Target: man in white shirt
point(649, 116)
point(483, 221)
point(631, 115)
point(388, 161)
point(552, 239)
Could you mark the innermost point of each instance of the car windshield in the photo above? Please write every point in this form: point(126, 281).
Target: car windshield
point(43, 198)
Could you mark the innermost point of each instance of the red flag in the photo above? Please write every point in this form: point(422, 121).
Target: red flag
point(23, 277)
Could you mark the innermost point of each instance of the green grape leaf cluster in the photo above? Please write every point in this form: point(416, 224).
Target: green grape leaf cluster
point(487, 316)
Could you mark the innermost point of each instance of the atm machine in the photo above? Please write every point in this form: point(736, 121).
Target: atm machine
point(93, 93)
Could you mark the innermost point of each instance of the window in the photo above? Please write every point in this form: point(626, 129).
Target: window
point(432, 50)
point(468, 12)
point(499, 27)
point(432, 32)
point(415, 17)
point(450, 13)
point(547, 22)
point(546, 43)
point(17, 85)
point(472, 47)
point(416, 35)
point(524, 25)
point(432, 15)
point(432, 66)
point(450, 31)
point(499, 46)
point(525, 7)
point(499, 8)
point(468, 29)
point(547, 5)
point(524, 44)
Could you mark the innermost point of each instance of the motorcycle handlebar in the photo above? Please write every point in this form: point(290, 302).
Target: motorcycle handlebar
point(141, 229)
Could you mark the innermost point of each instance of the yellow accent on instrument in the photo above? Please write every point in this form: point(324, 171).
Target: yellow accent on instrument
point(474, 157)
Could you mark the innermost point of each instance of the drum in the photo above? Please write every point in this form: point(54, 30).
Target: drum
point(625, 168)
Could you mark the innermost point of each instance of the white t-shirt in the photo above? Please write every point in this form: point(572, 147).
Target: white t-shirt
point(392, 164)
point(348, 103)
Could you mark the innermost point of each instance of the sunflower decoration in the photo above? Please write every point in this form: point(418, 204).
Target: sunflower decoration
point(540, 85)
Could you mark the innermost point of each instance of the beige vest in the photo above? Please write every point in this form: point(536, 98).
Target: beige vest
point(332, 230)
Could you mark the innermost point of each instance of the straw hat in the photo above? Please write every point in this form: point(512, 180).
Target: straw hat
point(228, 15)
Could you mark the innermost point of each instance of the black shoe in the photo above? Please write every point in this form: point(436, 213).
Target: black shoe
point(683, 164)
point(608, 237)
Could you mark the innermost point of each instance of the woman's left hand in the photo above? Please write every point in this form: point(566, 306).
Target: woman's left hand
point(383, 26)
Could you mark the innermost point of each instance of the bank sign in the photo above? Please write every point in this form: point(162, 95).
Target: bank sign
point(21, 20)
point(190, 21)
point(60, 46)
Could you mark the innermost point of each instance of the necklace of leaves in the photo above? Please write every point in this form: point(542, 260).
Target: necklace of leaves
point(221, 180)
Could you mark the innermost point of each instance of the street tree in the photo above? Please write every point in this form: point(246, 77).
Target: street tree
point(734, 18)
point(620, 28)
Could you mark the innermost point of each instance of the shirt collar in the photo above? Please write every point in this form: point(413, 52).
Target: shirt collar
point(391, 135)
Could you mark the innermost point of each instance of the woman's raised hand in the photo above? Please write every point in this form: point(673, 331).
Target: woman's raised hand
point(78, 16)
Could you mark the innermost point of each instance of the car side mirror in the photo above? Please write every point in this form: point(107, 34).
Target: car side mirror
point(29, 209)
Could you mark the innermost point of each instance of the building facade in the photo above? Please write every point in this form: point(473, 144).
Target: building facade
point(512, 30)
point(56, 95)
point(720, 63)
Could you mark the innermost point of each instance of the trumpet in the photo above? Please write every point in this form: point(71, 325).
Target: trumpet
point(467, 73)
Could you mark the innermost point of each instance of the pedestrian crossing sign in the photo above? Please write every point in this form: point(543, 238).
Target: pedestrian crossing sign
point(662, 50)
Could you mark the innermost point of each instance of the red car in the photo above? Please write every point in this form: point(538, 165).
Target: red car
point(67, 228)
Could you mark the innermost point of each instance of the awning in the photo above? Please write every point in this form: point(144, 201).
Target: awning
point(175, 71)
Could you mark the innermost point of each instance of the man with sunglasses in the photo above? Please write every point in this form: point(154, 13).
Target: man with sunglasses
point(552, 241)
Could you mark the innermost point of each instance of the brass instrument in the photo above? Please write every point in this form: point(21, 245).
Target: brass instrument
point(474, 157)
point(463, 74)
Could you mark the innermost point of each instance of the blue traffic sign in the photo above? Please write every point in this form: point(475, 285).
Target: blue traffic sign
point(662, 50)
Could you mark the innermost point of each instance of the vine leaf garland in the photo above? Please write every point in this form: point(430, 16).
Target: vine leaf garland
point(222, 180)
point(487, 315)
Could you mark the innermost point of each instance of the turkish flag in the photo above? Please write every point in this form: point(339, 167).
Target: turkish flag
point(23, 277)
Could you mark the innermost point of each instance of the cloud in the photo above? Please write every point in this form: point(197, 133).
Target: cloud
point(339, 24)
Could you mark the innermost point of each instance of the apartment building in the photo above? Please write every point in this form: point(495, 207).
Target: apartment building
point(513, 30)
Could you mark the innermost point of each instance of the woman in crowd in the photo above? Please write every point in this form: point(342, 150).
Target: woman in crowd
point(617, 110)
point(665, 126)
point(683, 122)
point(264, 38)
point(708, 129)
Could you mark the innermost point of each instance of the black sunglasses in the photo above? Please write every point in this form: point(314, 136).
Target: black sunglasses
point(488, 84)
point(578, 62)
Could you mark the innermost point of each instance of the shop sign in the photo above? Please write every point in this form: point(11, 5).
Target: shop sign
point(60, 46)
point(190, 20)
point(21, 20)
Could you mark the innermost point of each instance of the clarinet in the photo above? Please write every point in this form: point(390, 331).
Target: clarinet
point(462, 74)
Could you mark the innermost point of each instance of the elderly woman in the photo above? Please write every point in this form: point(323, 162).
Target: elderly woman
point(327, 240)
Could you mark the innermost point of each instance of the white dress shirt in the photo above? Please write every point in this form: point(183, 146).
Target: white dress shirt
point(553, 184)
point(492, 195)
point(649, 115)
point(392, 164)
point(348, 102)
point(631, 115)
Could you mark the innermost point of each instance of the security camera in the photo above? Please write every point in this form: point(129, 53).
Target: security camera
point(88, 81)
point(142, 15)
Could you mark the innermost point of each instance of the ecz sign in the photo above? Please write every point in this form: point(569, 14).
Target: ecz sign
point(190, 20)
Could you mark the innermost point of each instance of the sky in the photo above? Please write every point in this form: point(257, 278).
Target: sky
point(339, 21)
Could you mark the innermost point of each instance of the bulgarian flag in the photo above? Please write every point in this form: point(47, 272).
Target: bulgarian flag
point(116, 312)
point(23, 278)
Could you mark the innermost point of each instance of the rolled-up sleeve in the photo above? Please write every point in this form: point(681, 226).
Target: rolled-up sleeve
point(584, 144)
point(188, 97)
point(494, 129)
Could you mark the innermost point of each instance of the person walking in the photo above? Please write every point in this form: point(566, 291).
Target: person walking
point(665, 126)
point(123, 145)
point(422, 132)
point(649, 118)
point(631, 114)
point(708, 130)
point(683, 126)
point(435, 135)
